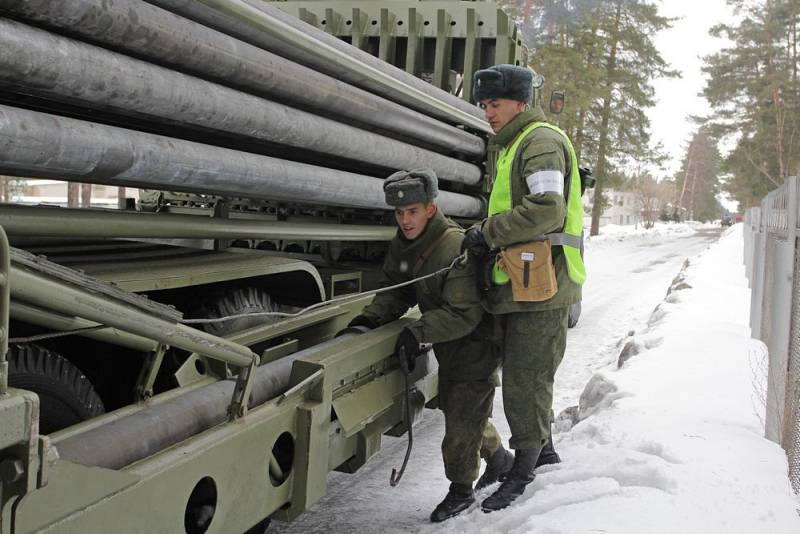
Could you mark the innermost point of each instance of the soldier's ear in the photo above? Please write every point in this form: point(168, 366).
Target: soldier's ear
point(430, 209)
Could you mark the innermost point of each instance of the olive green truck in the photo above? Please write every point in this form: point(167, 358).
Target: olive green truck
point(171, 365)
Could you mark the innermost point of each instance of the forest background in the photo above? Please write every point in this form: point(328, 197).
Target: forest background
point(604, 56)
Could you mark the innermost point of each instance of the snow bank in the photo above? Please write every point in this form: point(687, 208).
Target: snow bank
point(613, 232)
point(671, 442)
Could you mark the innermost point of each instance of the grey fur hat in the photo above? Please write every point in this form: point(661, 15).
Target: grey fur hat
point(503, 81)
point(409, 187)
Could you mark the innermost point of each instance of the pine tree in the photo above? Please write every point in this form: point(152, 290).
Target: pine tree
point(630, 62)
point(697, 180)
point(755, 95)
point(602, 54)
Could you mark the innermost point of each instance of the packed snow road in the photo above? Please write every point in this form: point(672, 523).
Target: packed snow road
point(629, 273)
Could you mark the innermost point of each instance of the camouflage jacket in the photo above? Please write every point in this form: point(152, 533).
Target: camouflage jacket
point(532, 214)
point(452, 317)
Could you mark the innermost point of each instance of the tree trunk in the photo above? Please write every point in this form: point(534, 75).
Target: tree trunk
point(679, 201)
point(602, 147)
point(121, 198)
point(86, 195)
point(73, 194)
point(580, 127)
point(775, 95)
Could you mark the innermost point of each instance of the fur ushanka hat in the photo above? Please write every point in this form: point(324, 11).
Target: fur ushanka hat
point(409, 187)
point(503, 81)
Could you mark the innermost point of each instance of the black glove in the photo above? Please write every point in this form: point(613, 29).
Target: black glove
point(407, 349)
point(358, 320)
point(485, 269)
point(475, 243)
point(363, 320)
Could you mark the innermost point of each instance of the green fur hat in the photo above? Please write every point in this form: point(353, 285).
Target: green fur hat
point(503, 81)
point(409, 187)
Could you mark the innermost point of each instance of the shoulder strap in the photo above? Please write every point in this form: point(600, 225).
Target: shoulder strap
point(428, 251)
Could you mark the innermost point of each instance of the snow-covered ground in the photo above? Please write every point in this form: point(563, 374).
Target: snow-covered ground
point(669, 442)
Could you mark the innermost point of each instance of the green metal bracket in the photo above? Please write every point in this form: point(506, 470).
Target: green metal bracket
point(333, 21)
point(25, 456)
point(454, 25)
point(148, 373)
point(359, 28)
point(307, 16)
point(441, 61)
point(472, 52)
point(386, 46)
point(241, 393)
point(279, 351)
point(313, 418)
point(221, 211)
point(507, 41)
point(414, 47)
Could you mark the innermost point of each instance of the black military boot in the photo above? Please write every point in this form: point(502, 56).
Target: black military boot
point(497, 465)
point(520, 475)
point(459, 498)
point(548, 455)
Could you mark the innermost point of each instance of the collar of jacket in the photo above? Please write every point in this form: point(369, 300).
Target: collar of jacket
point(412, 249)
point(505, 136)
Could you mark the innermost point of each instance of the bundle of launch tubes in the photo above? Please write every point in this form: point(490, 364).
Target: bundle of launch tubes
point(232, 98)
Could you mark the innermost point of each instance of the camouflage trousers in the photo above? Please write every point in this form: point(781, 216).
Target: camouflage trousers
point(532, 345)
point(469, 435)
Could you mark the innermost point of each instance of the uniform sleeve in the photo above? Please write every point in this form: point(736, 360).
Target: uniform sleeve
point(543, 207)
point(460, 313)
point(391, 305)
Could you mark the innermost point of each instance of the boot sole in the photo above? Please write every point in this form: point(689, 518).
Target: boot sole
point(552, 461)
point(490, 510)
point(437, 520)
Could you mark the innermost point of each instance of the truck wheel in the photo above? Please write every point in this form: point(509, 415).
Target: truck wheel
point(234, 302)
point(66, 396)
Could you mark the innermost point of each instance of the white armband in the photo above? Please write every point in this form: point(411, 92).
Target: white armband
point(546, 182)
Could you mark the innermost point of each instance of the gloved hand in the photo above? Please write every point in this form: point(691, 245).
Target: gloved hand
point(485, 269)
point(363, 320)
point(407, 349)
point(475, 242)
point(358, 320)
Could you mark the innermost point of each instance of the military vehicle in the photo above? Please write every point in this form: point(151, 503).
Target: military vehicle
point(172, 366)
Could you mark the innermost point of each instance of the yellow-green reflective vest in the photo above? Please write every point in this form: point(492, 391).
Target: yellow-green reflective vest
point(570, 238)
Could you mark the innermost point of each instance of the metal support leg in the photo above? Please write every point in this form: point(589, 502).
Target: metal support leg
point(241, 393)
point(147, 377)
point(5, 265)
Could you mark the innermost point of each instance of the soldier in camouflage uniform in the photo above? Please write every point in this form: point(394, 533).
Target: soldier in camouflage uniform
point(531, 200)
point(452, 320)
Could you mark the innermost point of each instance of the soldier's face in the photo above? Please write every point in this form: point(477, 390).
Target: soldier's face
point(500, 111)
point(413, 219)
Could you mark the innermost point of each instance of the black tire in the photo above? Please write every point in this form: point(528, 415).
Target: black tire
point(66, 396)
point(233, 302)
point(260, 528)
point(574, 314)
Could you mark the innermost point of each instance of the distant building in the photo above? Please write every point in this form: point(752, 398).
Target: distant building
point(55, 192)
point(624, 208)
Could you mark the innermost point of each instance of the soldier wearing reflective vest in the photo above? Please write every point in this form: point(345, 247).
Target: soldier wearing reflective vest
point(530, 247)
